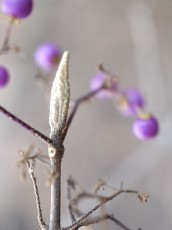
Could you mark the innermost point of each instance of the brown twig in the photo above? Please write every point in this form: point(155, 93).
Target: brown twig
point(70, 185)
point(76, 104)
point(25, 125)
point(100, 218)
point(104, 201)
point(5, 45)
point(73, 205)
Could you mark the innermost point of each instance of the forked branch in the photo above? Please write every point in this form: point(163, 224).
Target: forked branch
point(87, 219)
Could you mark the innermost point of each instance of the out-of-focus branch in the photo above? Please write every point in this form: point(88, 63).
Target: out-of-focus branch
point(5, 46)
point(70, 186)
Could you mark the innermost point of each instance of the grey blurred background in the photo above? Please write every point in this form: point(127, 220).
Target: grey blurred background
point(133, 39)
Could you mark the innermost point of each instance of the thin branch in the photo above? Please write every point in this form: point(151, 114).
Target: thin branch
point(97, 219)
point(85, 216)
point(84, 195)
point(69, 198)
point(74, 203)
point(117, 222)
point(43, 161)
point(5, 46)
point(37, 197)
point(76, 104)
point(88, 195)
point(41, 158)
point(25, 125)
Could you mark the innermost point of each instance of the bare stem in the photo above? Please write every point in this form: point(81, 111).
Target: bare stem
point(59, 104)
point(37, 197)
point(55, 209)
point(76, 104)
point(25, 125)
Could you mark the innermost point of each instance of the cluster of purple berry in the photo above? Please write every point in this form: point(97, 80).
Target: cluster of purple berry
point(46, 56)
point(14, 9)
point(129, 102)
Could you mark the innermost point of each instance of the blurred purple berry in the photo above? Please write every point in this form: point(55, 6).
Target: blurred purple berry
point(47, 56)
point(130, 102)
point(100, 79)
point(145, 128)
point(17, 8)
point(4, 77)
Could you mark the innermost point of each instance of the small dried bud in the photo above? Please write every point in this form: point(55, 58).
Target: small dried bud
point(143, 197)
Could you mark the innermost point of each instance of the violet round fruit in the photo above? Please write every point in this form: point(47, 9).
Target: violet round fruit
point(47, 56)
point(145, 128)
point(100, 79)
point(17, 8)
point(4, 77)
point(130, 102)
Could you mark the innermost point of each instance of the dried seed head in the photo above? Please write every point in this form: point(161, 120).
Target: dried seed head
point(143, 197)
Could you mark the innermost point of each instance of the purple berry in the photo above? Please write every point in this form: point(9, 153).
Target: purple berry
point(17, 8)
point(145, 128)
point(4, 77)
point(130, 102)
point(47, 56)
point(100, 79)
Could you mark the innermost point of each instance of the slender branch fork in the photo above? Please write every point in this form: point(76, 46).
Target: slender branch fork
point(73, 206)
point(82, 220)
